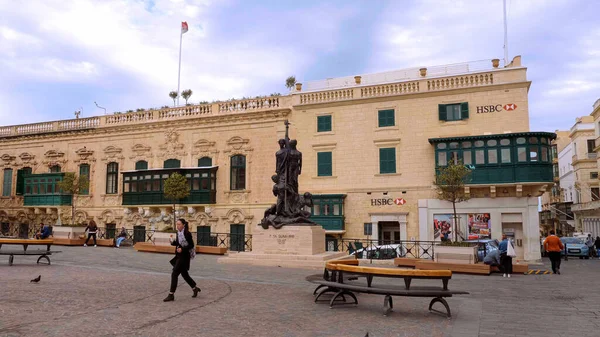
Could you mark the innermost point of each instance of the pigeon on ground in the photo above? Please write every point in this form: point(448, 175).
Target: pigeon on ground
point(37, 279)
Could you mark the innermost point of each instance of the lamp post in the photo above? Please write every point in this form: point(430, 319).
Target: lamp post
point(100, 107)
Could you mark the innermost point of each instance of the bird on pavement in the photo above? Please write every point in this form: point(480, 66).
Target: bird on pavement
point(37, 279)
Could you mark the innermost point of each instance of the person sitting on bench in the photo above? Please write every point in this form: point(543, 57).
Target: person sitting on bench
point(46, 232)
point(493, 259)
point(38, 234)
point(121, 237)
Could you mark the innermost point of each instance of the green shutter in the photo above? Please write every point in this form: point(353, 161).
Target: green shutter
point(324, 123)
point(204, 161)
point(324, 168)
point(7, 183)
point(84, 170)
point(386, 118)
point(172, 163)
point(21, 180)
point(141, 165)
point(387, 160)
point(464, 110)
point(442, 112)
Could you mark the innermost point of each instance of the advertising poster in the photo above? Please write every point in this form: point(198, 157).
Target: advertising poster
point(443, 230)
point(479, 226)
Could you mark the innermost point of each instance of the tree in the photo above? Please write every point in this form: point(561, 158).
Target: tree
point(73, 184)
point(450, 186)
point(290, 82)
point(173, 95)
point(176, 187)
point(186, 94)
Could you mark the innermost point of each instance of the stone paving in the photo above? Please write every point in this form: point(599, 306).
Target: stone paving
point(118, 292)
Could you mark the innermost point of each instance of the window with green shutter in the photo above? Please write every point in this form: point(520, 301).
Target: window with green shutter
point(21, 179)
point(324, 164)
point(204, 161)
point(453, 112)
point(141, 165)
point(386, 118)
point(84, 170)
point(55, 169)
point(7, 183)
point(172, 163)
point(387, 160)
point(323, 123)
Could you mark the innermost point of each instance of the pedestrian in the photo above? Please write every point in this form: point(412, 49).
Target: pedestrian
point(506, 255)
point(554, 247)
point(590, 244)
point(91, 228)
point(121, 237)
point(597, 244)
point(493, 259)
point(184, 253)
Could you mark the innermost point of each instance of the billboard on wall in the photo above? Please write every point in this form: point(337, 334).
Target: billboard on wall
point(442, 227)
point(479, 226)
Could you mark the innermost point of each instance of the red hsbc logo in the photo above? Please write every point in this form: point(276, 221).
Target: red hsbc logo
point(399, 201)
point(388, 202)
point(495, 108)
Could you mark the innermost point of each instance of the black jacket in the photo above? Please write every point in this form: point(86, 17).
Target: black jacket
point(182, 260)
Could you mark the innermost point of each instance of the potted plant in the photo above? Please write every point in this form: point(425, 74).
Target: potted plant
point(495, 63)
point(423, 72)
point(298, 86)
point(357, 79)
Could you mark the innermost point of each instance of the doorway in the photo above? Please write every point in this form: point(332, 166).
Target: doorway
point(389, 232)
point(514, 231)
point(237, 235)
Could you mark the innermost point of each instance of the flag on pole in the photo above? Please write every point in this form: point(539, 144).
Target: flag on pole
point(184, 27)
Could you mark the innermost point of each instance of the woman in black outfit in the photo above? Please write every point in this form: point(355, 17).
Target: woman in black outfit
point(184, 253)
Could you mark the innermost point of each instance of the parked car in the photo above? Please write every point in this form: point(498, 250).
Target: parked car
point(575, 247)
point(485, 246)
point(380, 252)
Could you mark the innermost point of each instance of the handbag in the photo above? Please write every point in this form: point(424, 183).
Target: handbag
point(192, 253)
point(510, 250)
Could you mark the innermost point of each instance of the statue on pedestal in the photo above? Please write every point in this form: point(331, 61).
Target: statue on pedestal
point(290, 207)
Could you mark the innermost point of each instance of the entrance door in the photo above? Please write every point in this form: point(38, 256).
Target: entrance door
point(389, 232)
point(236, 238)
point(514, 231)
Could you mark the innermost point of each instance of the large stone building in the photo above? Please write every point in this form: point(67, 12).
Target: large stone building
point(371, 145)
point(587, 211)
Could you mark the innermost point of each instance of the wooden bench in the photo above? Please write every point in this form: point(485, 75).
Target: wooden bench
point(336, 280)
point(475, 268)
point(27, 242)
point(167, 249)
point(43, 254)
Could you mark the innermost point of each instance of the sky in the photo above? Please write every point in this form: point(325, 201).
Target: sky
point(59, 56)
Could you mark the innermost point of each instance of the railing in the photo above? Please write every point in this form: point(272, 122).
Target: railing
point(22, 231)
point(400, 75)
point(327, 96)
point(390, 89)
point(188, 111)
point(382, 250)
point(79, 123)
point(460, 82)
point(591, 155)
point(34, 128)
point(249, 105)
point(132, 117)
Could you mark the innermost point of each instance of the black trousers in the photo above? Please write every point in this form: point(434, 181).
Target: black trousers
point(506, 263)
point(175, 275)
point(90, 235)
point(555, 259)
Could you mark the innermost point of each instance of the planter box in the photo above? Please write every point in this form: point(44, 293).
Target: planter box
point(162, 238)
point(456, 255)
point(67, 232)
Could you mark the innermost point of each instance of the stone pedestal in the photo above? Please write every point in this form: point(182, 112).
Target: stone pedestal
point(290, 246)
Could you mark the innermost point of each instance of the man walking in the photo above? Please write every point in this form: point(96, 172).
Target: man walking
point(590, 244)
point(554, 246)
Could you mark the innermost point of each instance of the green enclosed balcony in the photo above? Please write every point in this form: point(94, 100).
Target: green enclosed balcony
point(501, 158)
point(328, 211)
point(42, 190)
point(145, 187)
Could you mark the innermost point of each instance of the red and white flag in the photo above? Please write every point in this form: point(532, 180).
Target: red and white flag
point(184, 27)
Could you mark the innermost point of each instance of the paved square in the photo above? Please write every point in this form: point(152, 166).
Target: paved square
point(106, 292)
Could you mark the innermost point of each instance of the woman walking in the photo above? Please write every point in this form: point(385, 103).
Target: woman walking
point(184, 253)
point(91, 228)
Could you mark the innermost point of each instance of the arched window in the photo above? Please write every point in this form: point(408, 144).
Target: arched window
point(141, 165)
point(84, 171)
point(204, 161)
point(172, 163)
point(112, 171)
point(238, 172)
point(55, 169)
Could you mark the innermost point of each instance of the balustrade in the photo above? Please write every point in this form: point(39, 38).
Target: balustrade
point(390, 89)
point(460, 82)
point(187, 111)
point(131, 117)
point(327, 96)
point(249, 105)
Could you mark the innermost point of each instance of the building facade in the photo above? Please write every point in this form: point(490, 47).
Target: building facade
point(587, 212)
point(371, 147)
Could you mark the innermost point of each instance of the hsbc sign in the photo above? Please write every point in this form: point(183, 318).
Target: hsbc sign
point(484, 109)
point(388, 202)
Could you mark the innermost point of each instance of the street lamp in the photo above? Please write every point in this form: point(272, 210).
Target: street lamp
point(100, 107)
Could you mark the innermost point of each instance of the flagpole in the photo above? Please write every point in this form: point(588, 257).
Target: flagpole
point(505, 37)
point(179, 72)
